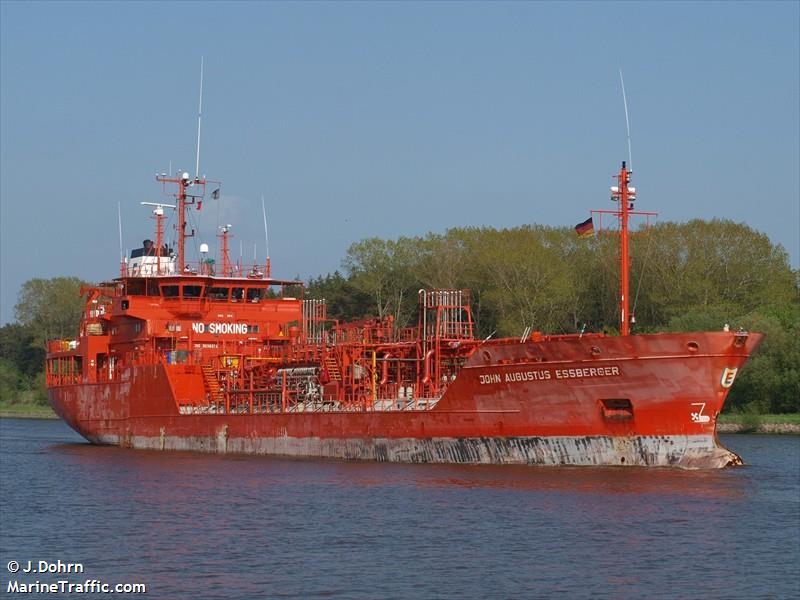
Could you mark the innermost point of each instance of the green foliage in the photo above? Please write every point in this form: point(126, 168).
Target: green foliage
point(766, 418)
point(46, 308)
point(383, 270)
point(750, 420)
point(526, 281)
point(770, 381)
point(18, 347)
point(719, 267)
point(344, 301)
point(50, 308)
point(16, 388)
point(11, 381)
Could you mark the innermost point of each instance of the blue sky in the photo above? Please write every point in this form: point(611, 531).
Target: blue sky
point(385, 119)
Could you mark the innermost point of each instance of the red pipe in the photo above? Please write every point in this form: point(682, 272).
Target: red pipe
point(426, 377)
point(385, 373)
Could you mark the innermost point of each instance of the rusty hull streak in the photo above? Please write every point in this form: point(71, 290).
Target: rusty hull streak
point(683, 451)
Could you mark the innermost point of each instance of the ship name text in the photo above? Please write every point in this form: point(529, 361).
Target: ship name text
point(545, 374)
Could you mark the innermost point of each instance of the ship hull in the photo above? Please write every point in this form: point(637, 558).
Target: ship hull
point(690, 452)
point(636, 401)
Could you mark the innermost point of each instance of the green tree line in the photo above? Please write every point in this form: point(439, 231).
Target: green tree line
point(690, 276)
point(46, 309)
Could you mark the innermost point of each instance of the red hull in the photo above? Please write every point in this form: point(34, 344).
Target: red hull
point(631, 400)
point(179, 356)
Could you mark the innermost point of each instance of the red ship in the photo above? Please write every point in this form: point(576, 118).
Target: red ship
point(217, 357)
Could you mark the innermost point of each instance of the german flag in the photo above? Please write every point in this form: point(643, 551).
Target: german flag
point(585, 229)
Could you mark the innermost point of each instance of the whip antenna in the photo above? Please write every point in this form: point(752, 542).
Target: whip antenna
point(119, 220)
point(627, 121)
point(266, 230)
point(199, 120)
point(267, 265)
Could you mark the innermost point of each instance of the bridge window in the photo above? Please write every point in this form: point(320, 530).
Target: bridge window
point(219, 294)
point(238, 294)
point(170, 291)
point(192, 292)
point(256, 294)
point(135, 287)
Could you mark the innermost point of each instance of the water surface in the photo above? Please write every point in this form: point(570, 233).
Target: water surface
point(207, 526)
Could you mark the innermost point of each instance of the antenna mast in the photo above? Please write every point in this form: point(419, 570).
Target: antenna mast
point(627, 121)
point(266, 237)
point(119, 220)
point(121, 254)
point(184, 183)
point(199, 121)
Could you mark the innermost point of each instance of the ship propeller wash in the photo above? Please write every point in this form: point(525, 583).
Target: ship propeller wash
point(217, 356)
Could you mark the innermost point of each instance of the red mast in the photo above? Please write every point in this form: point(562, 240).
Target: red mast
point(184, 200)
point(624, 254)
point(625, 195)
point(182, 223)
point(159, 213)
point(225, 259)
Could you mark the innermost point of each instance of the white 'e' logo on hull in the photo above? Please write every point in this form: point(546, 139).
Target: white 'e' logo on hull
point(728, 375)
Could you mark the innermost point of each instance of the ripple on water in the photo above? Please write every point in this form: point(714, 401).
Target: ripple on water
point(193, 525)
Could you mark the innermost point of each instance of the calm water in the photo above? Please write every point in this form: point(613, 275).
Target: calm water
point(200, 526)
